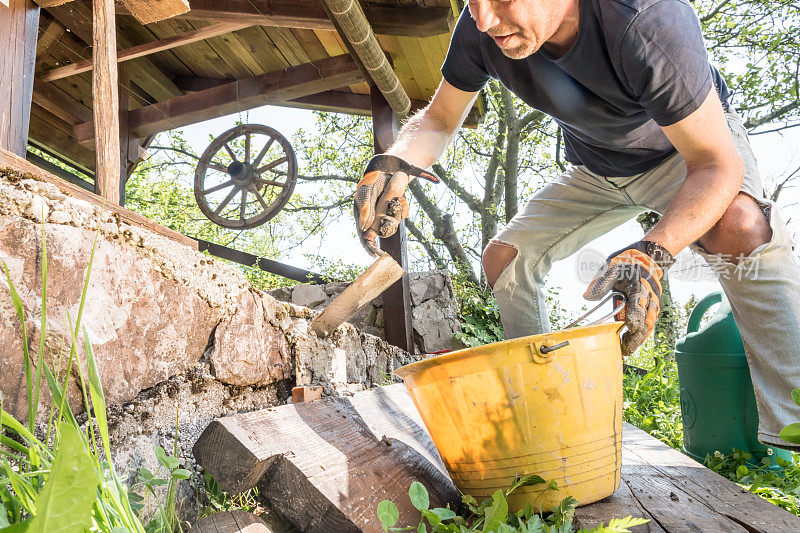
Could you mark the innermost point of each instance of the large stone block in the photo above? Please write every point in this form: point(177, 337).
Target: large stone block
point(143, 327)
point(248, 348)
point(308, 295)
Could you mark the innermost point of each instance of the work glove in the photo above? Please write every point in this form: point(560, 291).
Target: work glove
point(636, 272)
point(379, 203)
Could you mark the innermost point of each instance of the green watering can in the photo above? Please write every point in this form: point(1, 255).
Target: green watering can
point(718, 405)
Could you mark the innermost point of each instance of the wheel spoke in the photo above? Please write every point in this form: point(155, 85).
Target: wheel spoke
point(217, 167)
point(269, 183)
point(247, 147)
point(243, 204)
point(215, 188)
point(259, 197)
point(272, 165)
point(230, 152)
point(263, 152)
point(226, 201)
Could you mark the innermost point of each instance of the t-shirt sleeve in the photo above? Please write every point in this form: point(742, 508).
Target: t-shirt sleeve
point(665, 61)
point(464, 67)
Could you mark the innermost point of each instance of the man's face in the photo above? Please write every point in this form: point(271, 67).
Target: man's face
point(518, 27)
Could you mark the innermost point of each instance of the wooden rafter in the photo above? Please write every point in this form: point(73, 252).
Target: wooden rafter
point(60, 104)
point(149, 48)
point(51, 3)
point(403, 20)
point(77, 17)
point(273, 87)
point(52, 32)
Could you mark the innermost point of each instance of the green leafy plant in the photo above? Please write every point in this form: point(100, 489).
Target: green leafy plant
point(778, 486)
point(217, 499)
point(791, 433)
point(652, 400)
point(493, 515)
point(478, 314)
point(165, 518)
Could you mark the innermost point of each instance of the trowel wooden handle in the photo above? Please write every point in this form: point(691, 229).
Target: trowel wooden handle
point(366, 287)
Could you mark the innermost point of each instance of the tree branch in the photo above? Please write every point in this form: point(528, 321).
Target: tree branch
point(754, 123)
point(444, 231)
point(465, 196)
point(173, 149)
point(714, 12)
point(438, 260)
point(329, 177)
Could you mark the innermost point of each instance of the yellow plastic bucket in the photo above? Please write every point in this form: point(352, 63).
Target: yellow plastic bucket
point(521, 407)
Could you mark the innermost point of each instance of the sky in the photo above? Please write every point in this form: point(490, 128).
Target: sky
point(777, 154)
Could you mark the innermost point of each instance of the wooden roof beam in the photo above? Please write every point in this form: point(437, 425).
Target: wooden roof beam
point(149, 48)
point(404, 20)
point(270, 88)
point(335, 101)
point(60, 104)
point(77, 17)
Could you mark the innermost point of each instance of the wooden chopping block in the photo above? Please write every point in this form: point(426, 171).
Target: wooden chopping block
point(366, 287)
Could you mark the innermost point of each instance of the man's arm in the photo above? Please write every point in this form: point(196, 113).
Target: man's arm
point(426, 135)
point(422, 140)
point(714, 173)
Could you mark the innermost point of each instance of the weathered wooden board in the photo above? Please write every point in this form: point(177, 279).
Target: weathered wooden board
point(230, 522)
point(678, 494)
point(147, 11)
point(309, 78)
point(18, 32)
point(323, 465)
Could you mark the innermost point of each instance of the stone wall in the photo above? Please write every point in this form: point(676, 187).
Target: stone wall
point(434, 308)
point(172, 328)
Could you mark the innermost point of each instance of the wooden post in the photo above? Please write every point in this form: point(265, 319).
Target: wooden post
point(397, 298)
point(105, 100)
point(19, 24)
point(128, 143)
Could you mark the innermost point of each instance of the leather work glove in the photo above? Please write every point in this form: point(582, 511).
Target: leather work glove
point(379, 203)
point(636, 272)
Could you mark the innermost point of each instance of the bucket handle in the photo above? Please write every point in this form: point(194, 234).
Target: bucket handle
point(543, 353)
point(700, 310)
point(620, 302)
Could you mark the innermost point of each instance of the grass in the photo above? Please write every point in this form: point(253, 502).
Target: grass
point(62, 478)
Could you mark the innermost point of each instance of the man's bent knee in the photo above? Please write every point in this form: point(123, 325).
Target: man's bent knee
point(742, 228)
point(496, 257)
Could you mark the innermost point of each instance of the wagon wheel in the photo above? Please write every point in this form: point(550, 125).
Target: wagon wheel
point(245, 176)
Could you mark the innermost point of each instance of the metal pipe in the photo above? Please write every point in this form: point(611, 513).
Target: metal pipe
point(350, 17)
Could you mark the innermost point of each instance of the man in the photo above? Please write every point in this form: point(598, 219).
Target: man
point(647, 126)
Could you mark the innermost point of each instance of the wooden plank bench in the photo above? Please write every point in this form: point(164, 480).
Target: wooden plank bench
point(679, 494)
point(326, 466)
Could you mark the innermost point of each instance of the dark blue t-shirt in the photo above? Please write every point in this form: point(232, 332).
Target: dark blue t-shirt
point(636, 65)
